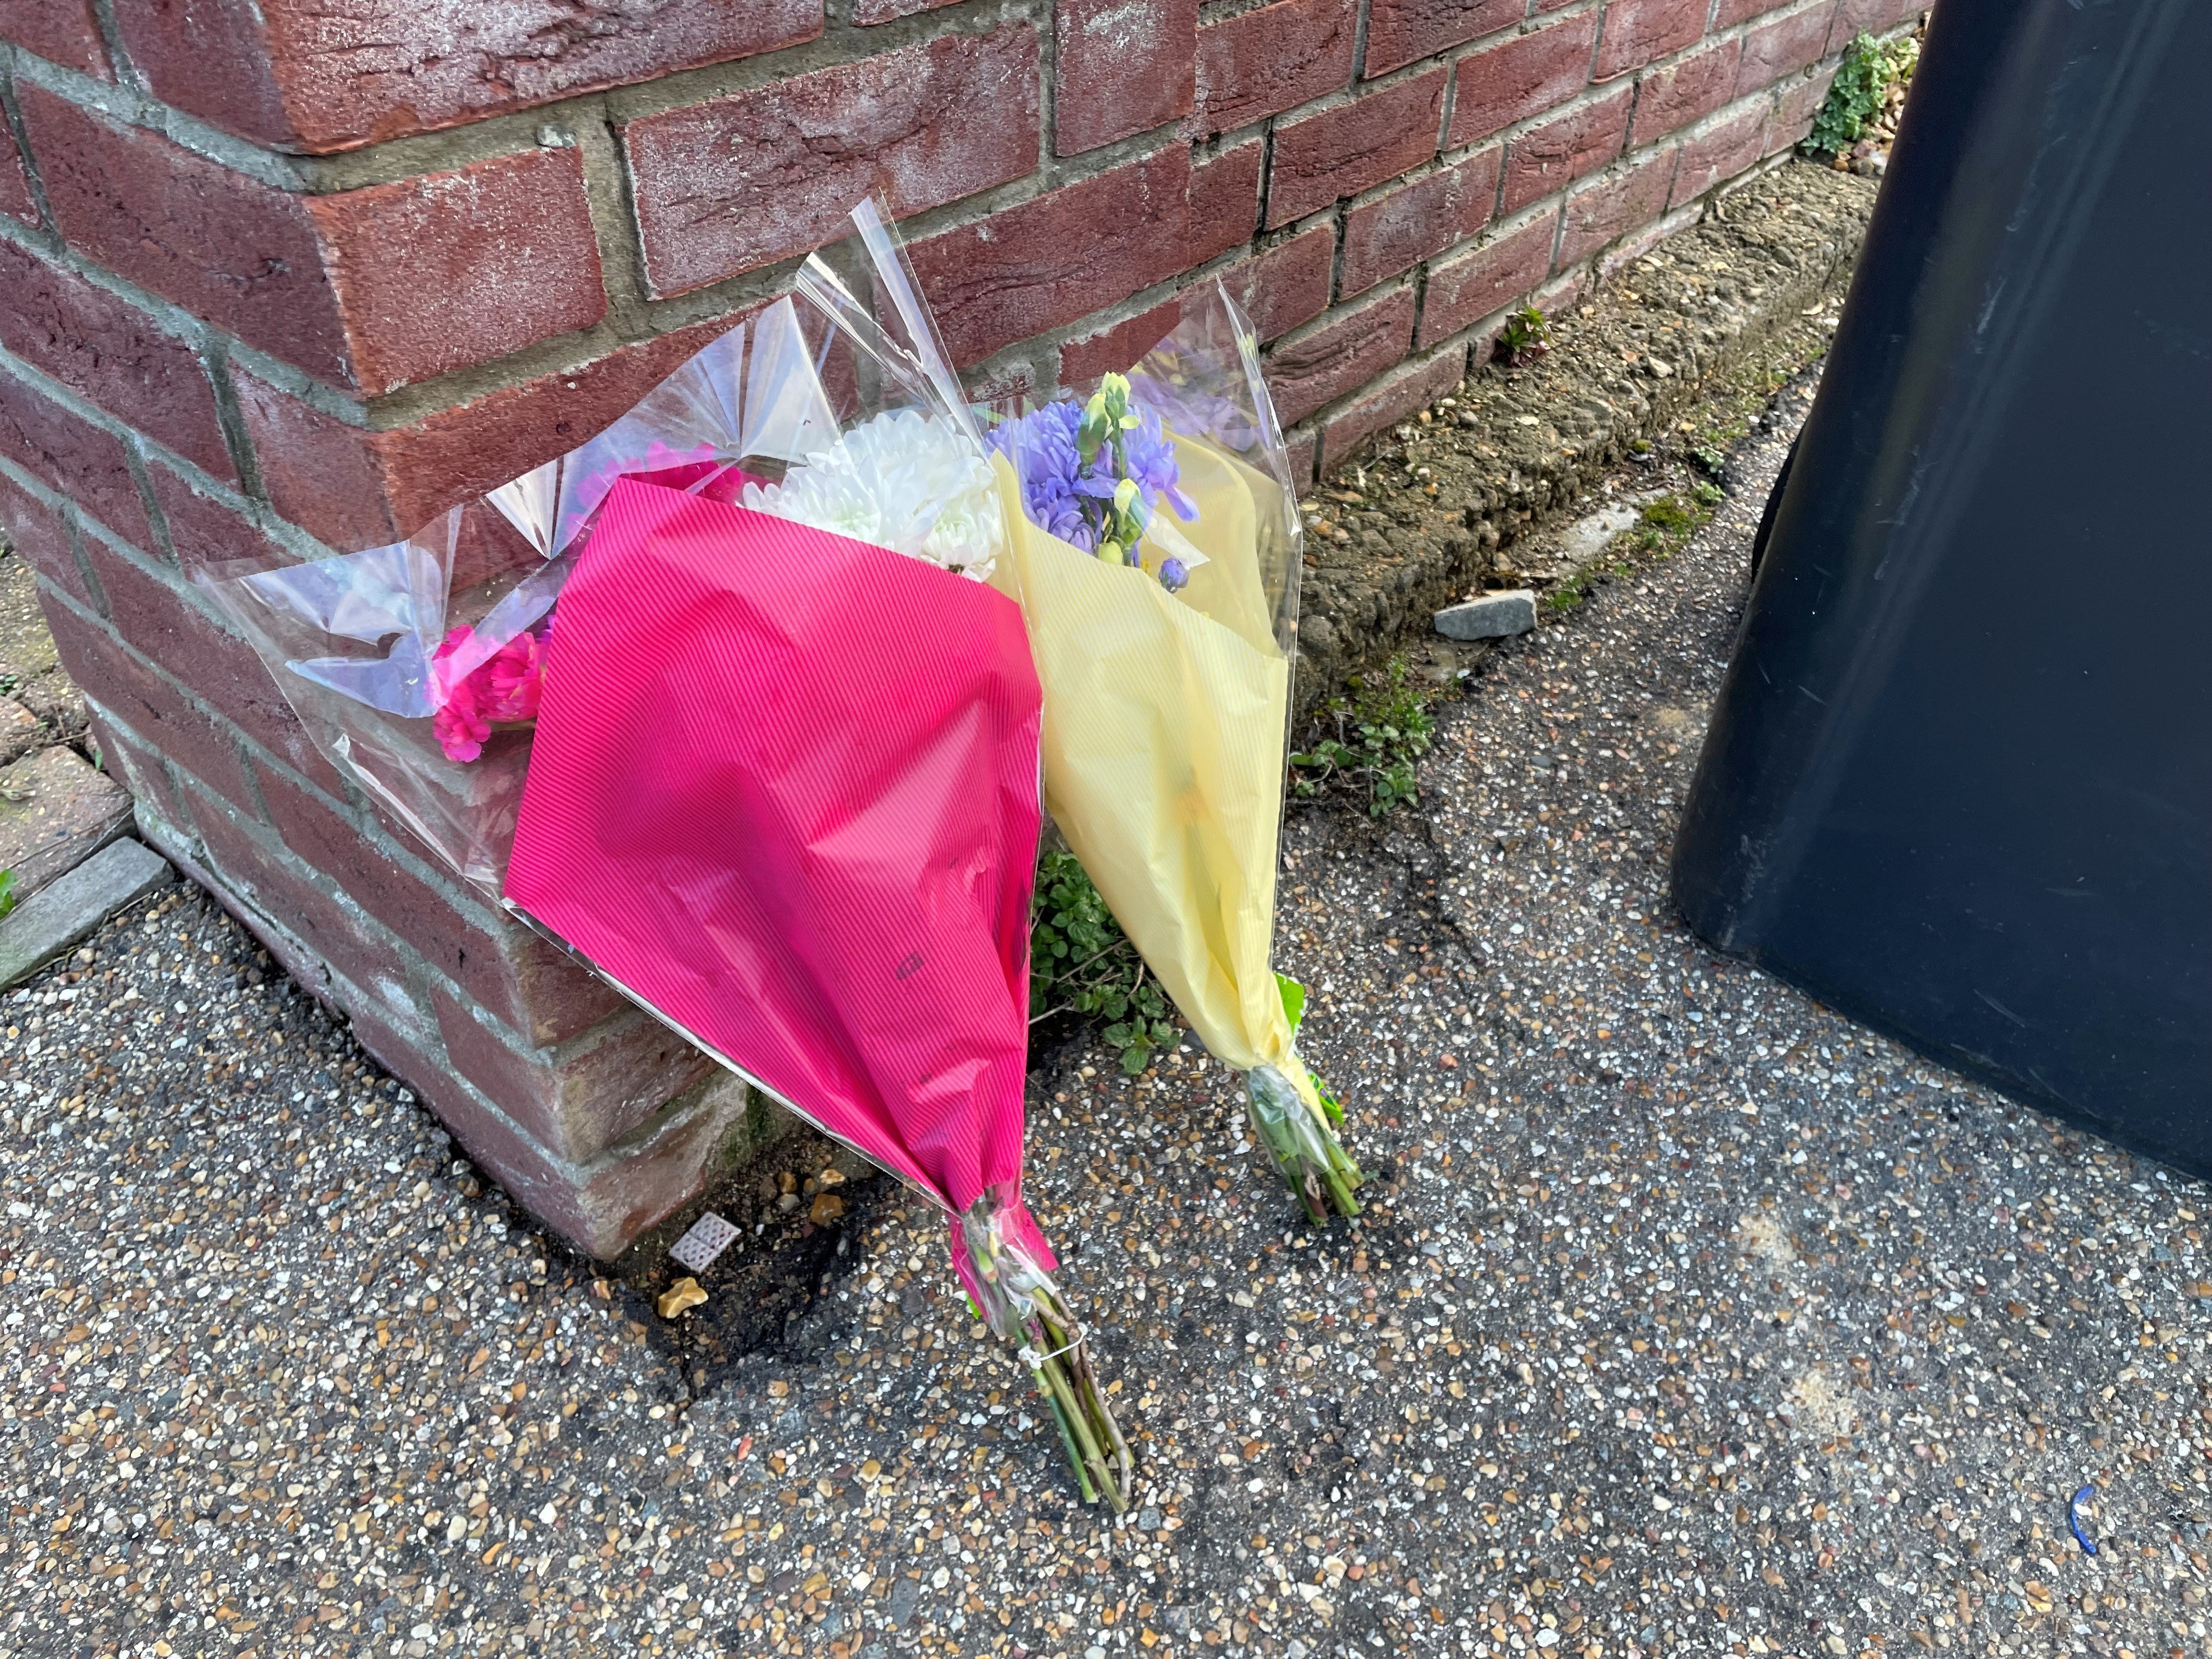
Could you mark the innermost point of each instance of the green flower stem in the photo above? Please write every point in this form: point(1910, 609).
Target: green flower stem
point(1302, 1145)
point(1022, 1303)
point(1087, 1425)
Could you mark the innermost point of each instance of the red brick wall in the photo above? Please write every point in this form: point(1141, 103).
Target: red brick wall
point(277, 273)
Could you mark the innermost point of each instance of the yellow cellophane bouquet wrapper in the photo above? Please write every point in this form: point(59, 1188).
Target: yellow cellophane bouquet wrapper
point(1164, 650)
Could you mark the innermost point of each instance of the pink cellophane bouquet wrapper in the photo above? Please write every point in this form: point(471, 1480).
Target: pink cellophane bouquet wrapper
point(779, 777)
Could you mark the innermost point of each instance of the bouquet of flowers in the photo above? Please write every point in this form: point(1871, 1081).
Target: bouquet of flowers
point(1156, 548)
point(774, 759)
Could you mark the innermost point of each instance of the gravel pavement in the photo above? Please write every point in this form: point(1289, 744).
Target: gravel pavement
point(1686, 1318)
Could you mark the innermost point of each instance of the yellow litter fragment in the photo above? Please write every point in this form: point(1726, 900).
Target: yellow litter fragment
point(680, 1299)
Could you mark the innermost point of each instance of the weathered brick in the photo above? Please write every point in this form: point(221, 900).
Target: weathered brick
point(42, 535)
point(1401, 31)
point(16, 198)
point(1710, 158)
point(1225, 200)
point(1274, 58)
point(318, 932)
point(1856, 17)
point(73, 456)
point(205, 530)
point(306, 75)
point(139, 765)
point(1677, 94)
point(1057, 258)
point(1783, 46)
point(1301, 449)
point(111, 353)
point(1397, 231)
point(1612, 206)
point(327, 837)
point(1286, 285)
point(225, 247)
point(1729, 13)
point(868, 12)
point(1559, 296)
point(116, 677)
point(64, 32)
point(1796, 103)
point(455, 268)
point(1112, 350)
point(513, 972)
point(397, 1035)
point(1343, 354)
point(1554, 155)
point(1411, 387)
point(1120, 67)
point(1468, 286)
point(1322, 158)
point(598, 1206)
point(355, 488)
point(1521, 77)
point(579, 1098)
point(324, 475)
point(536, 987)
point(742, 181)
point(155, 614)
point(1637, 31)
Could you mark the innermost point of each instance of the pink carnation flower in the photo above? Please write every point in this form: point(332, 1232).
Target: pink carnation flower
point(514, 677)
point(503, 687)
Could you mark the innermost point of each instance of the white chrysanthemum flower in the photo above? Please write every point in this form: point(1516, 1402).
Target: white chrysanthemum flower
point(899, 480)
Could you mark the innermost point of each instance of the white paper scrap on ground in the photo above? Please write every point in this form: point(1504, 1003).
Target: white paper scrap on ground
point(709, 1236)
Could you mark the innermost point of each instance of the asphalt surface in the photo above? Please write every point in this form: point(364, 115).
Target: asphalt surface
point(1686, 1318)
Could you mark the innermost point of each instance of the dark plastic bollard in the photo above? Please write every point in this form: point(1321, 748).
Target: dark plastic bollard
point(1959, 780)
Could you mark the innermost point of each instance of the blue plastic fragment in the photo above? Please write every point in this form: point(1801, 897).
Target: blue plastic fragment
point(2074, 1520)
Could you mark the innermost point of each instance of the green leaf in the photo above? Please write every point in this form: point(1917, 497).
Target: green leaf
point(1134, 1062)
point(1294, 999)
point(7, 891)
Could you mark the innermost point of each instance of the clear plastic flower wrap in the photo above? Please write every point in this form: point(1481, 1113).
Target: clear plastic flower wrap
point(1156, 559)
point(777, 777)
point(415, 669)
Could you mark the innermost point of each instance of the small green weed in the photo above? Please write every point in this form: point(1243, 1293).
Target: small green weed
point(1082, 963)
point(1709, 460)
point(1708, 494)
point(7, 891)
point(1869, 68)
point(1526, 337)
point(1380, 734)
point(1568, 593)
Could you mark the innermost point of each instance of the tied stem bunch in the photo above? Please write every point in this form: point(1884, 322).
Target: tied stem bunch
point(1299, 1132)
point(1020, 1302)
point(1302, 1144)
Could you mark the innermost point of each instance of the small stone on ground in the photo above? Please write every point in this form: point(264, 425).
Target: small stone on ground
point(1491, 617)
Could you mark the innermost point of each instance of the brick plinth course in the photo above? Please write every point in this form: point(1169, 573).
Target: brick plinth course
point(276, 282)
